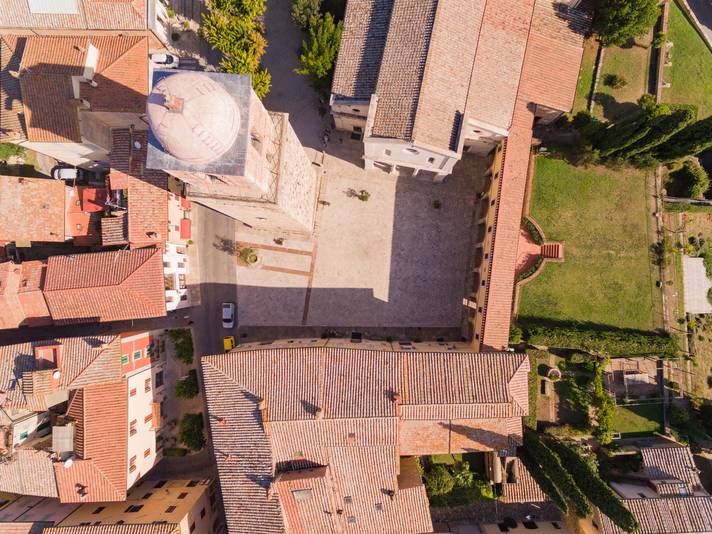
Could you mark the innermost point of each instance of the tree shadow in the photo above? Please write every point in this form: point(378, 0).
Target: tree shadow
point(613, 110)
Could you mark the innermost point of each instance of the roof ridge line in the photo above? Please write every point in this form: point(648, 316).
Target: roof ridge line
point(138, 38)
point(93, 360)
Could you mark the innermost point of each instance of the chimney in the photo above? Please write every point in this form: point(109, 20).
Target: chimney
point(220, 421)
point(264, 413)
point(396, 397)
point(173, 103)
point(47, 356)
point(319, 413)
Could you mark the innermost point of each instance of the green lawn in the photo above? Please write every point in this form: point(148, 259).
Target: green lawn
point(638, 420)
point(633, 64)
point(690, 75)
point(607, 275)
point(585, 80)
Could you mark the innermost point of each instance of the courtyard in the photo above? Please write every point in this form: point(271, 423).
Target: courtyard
point(398, 259)
point(608, 277)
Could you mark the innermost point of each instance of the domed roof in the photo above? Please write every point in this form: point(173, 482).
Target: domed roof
point(193, 117)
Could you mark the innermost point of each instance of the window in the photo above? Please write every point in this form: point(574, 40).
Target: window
point(99, 510)
point(352, 519)
point(411, 151)
point(431, 160)
point(146, 454)
point(148, 418)
point(348, 500)
point(358, 129)
point(23, 435)
point(160, 484)
point(147, 385)
point(147, 495)
point(120, 522)
point(132, 393)
point(356, 110)
point(170, 509)
point(182, 495)
point(132, 464)
point(84, 524)
point(133, 508)
point(387, 152)
point(202, 513)
point(132, 428)
point(137, 355)
point(191, 484)
point(379, 507)
point(124, 359)
point(192, 527)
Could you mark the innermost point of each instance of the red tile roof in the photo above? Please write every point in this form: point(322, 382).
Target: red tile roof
point(147, 188)
point(101, 441)
point(20, 295)
point(668, 515)
point(105, 286)
point(279, 410)
point(11, 121)
point(48, 65)
point(90, 15)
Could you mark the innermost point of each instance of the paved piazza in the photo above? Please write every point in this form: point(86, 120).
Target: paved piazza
point(392, 261)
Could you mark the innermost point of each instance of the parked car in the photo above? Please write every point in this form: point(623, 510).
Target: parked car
point(228, 343)
point(67, 173)
point(228, 314)
point(165, 60)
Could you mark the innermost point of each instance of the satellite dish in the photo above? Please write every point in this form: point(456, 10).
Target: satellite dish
point(69, 462)
point(56, 374)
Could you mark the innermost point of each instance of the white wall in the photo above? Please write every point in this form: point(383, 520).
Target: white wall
point(77, 154)
point(175, 264)
point(29, 425)
point(140, 406)
point(410, 155)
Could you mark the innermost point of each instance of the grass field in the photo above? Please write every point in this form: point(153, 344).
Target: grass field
point(632, 63)
point(690, 75)
point(607, 276)
point(638, 420)
point(585, 80)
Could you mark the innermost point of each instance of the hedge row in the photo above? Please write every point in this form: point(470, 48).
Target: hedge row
point(616, 342)
point(545, 483)
point(533, 230)
point(547, 459)
point(531, 270)
point(595, 489)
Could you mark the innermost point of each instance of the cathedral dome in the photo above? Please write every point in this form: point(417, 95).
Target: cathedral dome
point(193, 117)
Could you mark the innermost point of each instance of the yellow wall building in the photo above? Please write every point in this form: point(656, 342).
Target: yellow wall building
point(191, 504)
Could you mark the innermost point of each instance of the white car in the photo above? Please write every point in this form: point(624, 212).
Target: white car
point(165, 61)
point(228, 314)
point(66, 173)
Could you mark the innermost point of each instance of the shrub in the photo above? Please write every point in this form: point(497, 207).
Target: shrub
point(363, 195)
point(318, 53)
point(707, 260)
point(533, 230)
point(183, 344)
point(679, 417)
point(617, 21)
point(594, 488)
point(691, 180)
point(248, 256)
point(188, 387)
point(615, 81)
point(547, 459)
point(600, 340)
point(232, 27)
point(648, 104)
point(531, 270)
point(303, 11)
point(191, 431)
point(659, 40)
point(515, 335)
point(438, 480)
point(603, 404)
point(10, 149)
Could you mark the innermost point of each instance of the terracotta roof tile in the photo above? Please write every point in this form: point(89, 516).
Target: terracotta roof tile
point(115, 230)
point(31, 209)
point(105, 286)
point(83, 361)
point(672, 463)
point(525, 489)
point(101, 471)
point(402, 67)
point(168, 528)
point(147, 188)
point(90, 15)
point(668, 515)
point(362, 43)
point(28, 473)
point(36, 527)
point(279, 410)
point(48, 64)
point(12, 125)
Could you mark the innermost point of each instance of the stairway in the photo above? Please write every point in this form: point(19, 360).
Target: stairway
point(553, 251)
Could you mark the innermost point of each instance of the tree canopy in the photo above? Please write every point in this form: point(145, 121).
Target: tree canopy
point(617, 21)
